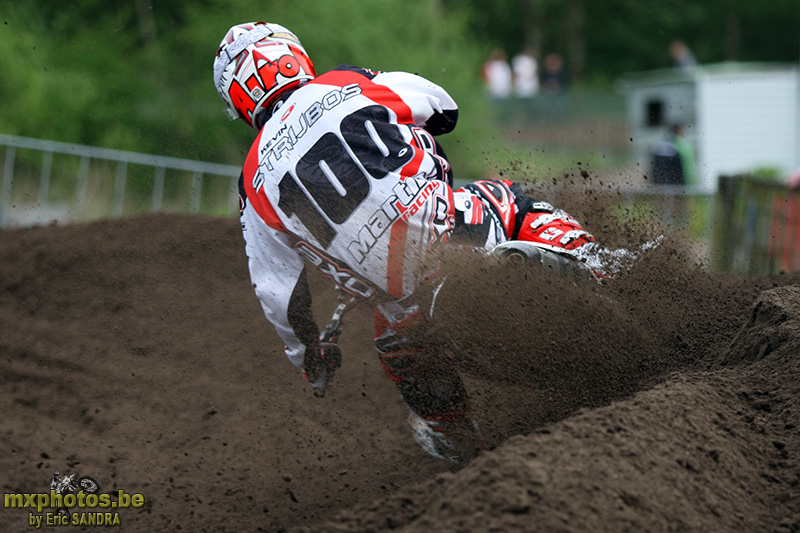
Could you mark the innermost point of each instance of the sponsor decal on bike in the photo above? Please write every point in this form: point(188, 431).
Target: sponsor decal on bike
point(73, 501)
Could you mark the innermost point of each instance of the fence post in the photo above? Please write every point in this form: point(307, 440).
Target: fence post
point(80, 192)
point(723, 227)
point(44, 178)
point(197, 191)
point(5, 193)
point(119, 189)
point(158, 190)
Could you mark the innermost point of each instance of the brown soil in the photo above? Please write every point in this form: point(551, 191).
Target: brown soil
point(135, 352)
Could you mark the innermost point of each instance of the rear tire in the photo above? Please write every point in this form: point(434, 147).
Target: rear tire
point(88, 485)
point(529, 253)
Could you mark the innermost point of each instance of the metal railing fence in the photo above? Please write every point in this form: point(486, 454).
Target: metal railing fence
point(755, 223)
point(28, 195)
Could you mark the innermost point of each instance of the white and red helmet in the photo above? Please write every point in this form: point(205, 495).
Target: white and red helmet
point(256, 64)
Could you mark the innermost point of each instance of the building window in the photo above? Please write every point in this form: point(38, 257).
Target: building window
point(655, 113)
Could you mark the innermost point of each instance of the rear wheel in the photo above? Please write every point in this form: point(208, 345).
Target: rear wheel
point(560, 264)
point(88, 485)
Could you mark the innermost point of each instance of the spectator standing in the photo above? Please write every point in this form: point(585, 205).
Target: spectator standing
point(526, 74)
point(499, 80)
point(554, 85)
point(554, 78)
point(525, 68)
point(497, 75)
point(682, 56)
point(686, 155)
point(673, 159)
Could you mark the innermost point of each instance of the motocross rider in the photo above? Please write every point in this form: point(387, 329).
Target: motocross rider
point(345, 175)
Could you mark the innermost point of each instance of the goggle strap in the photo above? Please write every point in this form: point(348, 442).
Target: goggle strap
point(262, 31)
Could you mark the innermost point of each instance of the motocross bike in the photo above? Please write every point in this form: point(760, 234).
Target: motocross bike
point(69, 485)
point(603, 265)
point(550, 239)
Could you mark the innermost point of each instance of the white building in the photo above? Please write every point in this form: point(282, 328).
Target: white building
point(739, 117)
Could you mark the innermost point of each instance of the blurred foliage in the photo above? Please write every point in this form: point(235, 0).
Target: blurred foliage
point(602, 39)
point(136, 75)
point(769, 174)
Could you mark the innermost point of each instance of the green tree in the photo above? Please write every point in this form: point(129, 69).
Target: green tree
point(601, 40)
point(137, 75)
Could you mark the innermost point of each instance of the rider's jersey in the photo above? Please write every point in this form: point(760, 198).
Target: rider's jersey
point(346, 175)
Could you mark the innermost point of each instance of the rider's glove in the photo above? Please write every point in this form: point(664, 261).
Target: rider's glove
point(322, 358)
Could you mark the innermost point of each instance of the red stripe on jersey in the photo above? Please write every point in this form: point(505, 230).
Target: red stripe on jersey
point(380, 94)
point(259, 200)
point(397, 250)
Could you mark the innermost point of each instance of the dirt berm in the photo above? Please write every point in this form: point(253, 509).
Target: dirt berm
point(135, 352)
